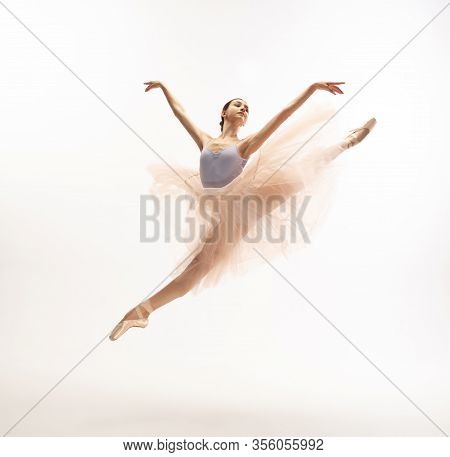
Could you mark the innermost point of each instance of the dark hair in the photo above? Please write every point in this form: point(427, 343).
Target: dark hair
point(225, 107)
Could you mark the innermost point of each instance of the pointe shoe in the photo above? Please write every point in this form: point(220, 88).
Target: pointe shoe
point(126, 324)
point(357, 135)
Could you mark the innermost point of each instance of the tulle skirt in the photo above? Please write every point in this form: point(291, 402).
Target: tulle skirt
point(271, 208)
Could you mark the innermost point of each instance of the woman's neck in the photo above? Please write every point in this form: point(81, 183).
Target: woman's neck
point(229, 133)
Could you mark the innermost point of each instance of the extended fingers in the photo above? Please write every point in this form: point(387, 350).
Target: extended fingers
point(333, 88)
point(149, 85)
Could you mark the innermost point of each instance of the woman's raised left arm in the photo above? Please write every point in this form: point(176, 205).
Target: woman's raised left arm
point(255, 141)
point(327, 86)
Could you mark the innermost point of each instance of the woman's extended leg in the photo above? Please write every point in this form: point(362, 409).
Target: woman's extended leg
point(178, 287)
point(181, 285)
point(284, 191)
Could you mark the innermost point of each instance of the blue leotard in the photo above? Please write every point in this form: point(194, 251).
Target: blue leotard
point(217, 169)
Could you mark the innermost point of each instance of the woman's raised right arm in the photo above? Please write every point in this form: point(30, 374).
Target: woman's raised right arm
point(198, 135)
point(174, 104)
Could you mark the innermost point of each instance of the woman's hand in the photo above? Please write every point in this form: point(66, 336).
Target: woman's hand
point(152, 85)
point(328, 86)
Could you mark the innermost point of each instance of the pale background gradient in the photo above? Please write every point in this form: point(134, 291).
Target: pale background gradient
point(250, 357)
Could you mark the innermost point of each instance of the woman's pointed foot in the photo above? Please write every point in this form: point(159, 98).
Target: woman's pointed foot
point(357, 135)
point(136, 317)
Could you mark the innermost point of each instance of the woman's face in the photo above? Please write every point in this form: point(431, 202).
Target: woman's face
point(238, 109)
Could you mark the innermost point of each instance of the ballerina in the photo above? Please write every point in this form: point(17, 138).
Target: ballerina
point(226, 168)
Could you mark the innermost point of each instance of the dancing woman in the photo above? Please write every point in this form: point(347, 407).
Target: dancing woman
point(226, 169)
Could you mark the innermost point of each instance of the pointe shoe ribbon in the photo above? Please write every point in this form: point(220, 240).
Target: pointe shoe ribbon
point(126, 324)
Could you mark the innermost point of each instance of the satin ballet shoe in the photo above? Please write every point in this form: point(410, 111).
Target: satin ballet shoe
point(126, 324)
point(357, 135)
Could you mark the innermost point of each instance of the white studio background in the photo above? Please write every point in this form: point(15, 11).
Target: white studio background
point(250, 357)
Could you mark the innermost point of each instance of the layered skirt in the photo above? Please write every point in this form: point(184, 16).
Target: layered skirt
point(271, 208)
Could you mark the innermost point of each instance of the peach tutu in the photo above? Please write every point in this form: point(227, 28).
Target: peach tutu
point(250, 220)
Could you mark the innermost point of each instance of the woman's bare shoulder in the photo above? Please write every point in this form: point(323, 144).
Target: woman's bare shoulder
point(244, 147)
